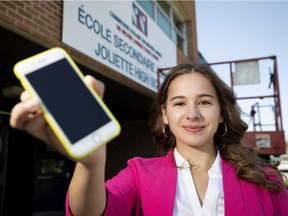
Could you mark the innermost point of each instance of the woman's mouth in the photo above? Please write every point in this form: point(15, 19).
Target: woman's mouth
point(193, 129)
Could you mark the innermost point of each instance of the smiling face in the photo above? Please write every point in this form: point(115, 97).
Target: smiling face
point(192, 111)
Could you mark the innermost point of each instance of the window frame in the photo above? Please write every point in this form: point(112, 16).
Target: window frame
point(181, 40)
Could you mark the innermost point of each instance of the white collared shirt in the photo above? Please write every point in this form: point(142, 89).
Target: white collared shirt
point(187, 201)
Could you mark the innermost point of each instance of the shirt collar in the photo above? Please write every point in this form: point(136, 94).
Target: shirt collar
point(183, 163)
point(180, 160)
point(216, 166)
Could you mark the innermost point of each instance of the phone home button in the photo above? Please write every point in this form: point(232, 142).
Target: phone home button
point(96, 137)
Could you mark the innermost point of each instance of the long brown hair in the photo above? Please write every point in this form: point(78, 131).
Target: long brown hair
point(249, 166)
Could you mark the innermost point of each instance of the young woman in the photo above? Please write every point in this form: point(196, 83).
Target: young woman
point(202, 168)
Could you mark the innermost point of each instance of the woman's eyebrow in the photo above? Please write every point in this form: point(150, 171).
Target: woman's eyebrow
point(205, 95)
point(198, 96)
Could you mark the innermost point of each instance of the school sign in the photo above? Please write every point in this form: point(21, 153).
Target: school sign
point(120, 35)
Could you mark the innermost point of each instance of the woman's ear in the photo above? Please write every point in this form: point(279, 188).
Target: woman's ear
point(221, 119)
point(164, 116)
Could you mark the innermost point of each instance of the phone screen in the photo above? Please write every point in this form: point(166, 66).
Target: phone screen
point(68, 100)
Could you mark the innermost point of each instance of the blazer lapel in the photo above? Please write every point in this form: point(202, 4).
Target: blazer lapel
point(167, 187)
point(233, 197)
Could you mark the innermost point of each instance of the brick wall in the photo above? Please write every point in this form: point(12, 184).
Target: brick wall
point(192, 48)
point(40, 19)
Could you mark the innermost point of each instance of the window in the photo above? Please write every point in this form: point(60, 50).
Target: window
point(164, 23)
point(148, 6)
point(162, 13)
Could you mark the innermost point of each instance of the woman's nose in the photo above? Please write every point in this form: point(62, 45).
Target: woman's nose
point(193, 112)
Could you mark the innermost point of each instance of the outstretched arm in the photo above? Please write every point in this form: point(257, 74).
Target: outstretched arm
point(86, 191)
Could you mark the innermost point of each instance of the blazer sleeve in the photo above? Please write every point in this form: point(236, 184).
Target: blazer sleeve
point(280, 202)
point(121, 193)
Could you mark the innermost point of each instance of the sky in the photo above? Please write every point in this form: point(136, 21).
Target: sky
point(236, 30)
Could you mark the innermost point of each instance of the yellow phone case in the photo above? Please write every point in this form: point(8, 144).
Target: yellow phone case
point(26, 85)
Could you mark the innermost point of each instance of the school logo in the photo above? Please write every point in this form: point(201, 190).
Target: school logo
point(139, 19)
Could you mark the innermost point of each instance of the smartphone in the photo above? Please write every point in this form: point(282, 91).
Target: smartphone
point(74, 111)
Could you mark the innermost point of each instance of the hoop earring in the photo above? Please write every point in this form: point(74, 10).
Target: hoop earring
point(225, 130)
point(164, 131)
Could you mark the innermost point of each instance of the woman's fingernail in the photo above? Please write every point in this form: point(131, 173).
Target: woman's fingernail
point(31, 103)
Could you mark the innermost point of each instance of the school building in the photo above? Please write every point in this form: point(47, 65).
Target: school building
point(122, 43)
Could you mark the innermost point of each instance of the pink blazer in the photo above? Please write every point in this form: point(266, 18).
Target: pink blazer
point(147, 186)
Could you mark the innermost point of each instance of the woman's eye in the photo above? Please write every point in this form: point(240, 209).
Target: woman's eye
point(204, 102)
point(179, 104)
